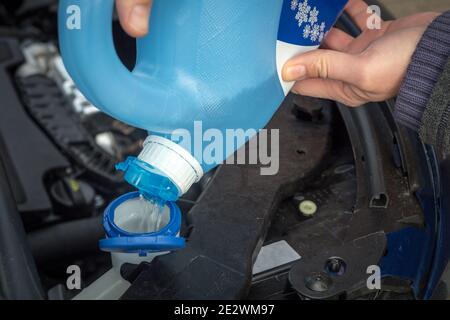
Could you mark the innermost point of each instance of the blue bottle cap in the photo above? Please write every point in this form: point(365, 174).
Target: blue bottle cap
point(151, 182)
point(119, 240)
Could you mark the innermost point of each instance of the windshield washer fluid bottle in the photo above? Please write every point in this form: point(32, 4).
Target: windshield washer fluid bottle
point(211, 61)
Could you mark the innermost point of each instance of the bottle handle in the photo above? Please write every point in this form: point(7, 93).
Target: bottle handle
point(89, 55)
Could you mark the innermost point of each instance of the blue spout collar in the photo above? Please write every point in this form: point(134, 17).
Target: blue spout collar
point(151, 182)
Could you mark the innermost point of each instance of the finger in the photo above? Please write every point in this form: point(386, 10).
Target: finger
point(362, 42)
point(329, 89)
point(368, 36)
point(134, 16)
point(417, 20)
point(358, 11)
point(324, 64)
point(337, 40)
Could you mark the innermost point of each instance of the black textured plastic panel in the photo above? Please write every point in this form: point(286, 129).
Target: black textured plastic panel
point(230, 221)
point(49, 108)
point(26, 151)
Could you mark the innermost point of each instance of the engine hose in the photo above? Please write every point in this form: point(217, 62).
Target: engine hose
point(66, 240)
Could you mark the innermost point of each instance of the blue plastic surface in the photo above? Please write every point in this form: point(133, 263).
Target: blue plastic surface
point(119, 240)
point(205, 60)
point(148, 180)
point(422, 254)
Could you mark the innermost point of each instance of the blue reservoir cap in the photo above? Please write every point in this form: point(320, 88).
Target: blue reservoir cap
point(143, 244)
point(119, 240)
point(151, 182)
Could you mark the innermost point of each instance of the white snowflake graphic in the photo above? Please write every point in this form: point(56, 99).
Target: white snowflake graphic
point(315, 33)
point(322, 31)
point(322, 27)
point(304, 7)
point(321, 36)
point(306, 31)
point(314, 16)
point(309, 18)
point(294, 5)
point(301, 17)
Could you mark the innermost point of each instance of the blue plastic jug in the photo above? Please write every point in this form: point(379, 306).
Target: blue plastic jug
point(217, 62)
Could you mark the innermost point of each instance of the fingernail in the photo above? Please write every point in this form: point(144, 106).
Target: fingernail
point(139, 17)
point(297, 72)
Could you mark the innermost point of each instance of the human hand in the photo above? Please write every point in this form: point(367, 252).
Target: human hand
point(355, 71)
point(134, 16)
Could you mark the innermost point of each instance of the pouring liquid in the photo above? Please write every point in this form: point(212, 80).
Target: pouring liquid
point(155, 209)
point(142, 215)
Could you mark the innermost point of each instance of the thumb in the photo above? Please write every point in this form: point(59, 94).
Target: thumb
point(324, 64)
point(134, 16)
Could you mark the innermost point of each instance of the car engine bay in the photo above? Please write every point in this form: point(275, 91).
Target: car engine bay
point(373, 185)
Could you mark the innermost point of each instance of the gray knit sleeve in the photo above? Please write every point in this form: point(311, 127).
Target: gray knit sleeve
point(426, 83)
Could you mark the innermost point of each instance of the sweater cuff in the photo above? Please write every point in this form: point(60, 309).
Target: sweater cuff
point(423, 73)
